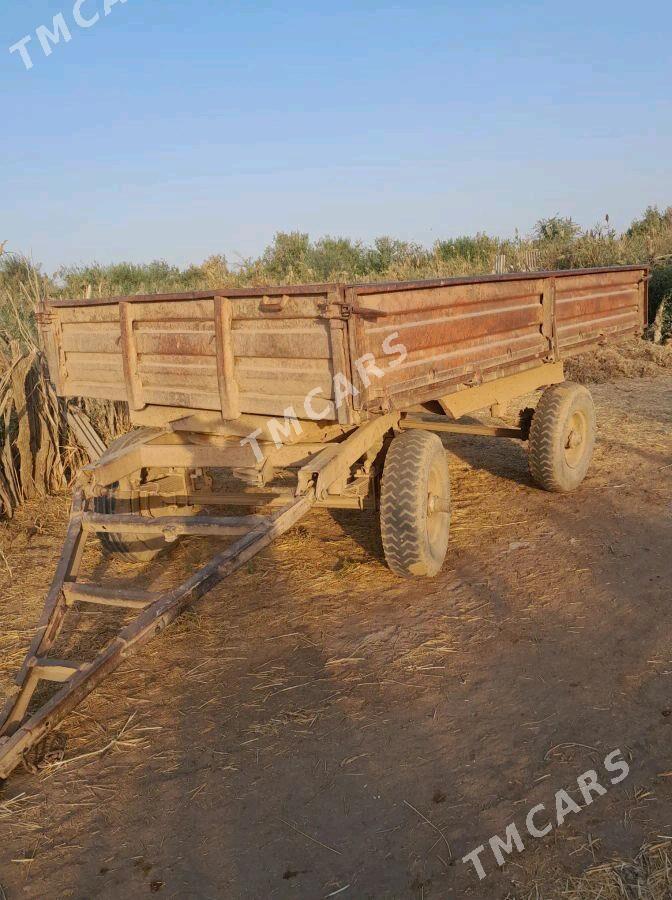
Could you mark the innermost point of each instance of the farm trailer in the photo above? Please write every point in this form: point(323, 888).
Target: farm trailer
point(327, 395)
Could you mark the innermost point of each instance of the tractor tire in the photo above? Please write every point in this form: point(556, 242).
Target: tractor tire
point(127, 546)
point(562, 437)
point(415, 504)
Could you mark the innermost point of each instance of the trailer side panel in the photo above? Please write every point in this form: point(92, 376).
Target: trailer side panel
point(458, 335)
point(171, 353)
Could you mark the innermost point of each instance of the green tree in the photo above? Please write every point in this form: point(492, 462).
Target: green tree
point(337, 258)
point(288, 257)
point(388, 252)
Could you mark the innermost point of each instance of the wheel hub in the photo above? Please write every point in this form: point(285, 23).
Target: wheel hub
point(575, 439)
point(437, 504)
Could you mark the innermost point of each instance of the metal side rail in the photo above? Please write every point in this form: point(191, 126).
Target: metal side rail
point(21, 730)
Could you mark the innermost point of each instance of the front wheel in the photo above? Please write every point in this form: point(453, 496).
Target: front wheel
point(135, 501)
point(415, 504)
point(127, 546)
point(562, 437)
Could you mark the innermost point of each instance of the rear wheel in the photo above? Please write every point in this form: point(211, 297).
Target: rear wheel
point(562, 437)
point(415, 504)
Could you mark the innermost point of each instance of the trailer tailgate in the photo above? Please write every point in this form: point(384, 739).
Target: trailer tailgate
point(256, 351)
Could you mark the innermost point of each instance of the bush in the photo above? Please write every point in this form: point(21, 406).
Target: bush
point(127, 278)
point(660, 294)
point(556, 228)
point(653, 222)
point(480, 250)
point(287, 258)
point(337, 259)
point(388, 253)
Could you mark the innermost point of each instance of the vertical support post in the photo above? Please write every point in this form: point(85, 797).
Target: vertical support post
point(644, 299)
point(340, 367)
point(355, 341)
point(549, 327)
point(129, 353)
point(226, 364)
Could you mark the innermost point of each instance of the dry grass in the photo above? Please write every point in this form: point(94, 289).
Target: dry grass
point(39, 452)
point(18, 811)
point(647, 877)
point(632, 359)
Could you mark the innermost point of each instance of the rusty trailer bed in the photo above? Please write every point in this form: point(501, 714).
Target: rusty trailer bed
point(264, 350)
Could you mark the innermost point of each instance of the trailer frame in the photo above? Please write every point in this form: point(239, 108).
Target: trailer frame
point(341, 475)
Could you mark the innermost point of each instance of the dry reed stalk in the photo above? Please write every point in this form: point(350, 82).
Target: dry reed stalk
point(40, 451)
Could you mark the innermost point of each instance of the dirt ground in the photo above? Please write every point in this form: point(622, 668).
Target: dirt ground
point(317, 727)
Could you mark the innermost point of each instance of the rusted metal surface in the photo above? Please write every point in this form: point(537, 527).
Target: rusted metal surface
point(374, 287)
point(266, 350)
point(465, 332)
point(608, 305)
point(182, 353)
point(296, 290)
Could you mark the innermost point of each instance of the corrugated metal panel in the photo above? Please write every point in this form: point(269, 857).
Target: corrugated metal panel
point(90, 353)
point(454, 334)
point(282, 350)
point(282, 355)
point(590, 307)
point(468, 331)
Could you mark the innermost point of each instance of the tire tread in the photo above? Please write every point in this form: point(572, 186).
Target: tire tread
point(548, 423)
point(403, 502)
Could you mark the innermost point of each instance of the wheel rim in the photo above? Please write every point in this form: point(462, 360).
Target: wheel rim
point(575, 439)
point(436, 516)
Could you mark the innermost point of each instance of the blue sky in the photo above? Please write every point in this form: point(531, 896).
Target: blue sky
point(176, 130)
